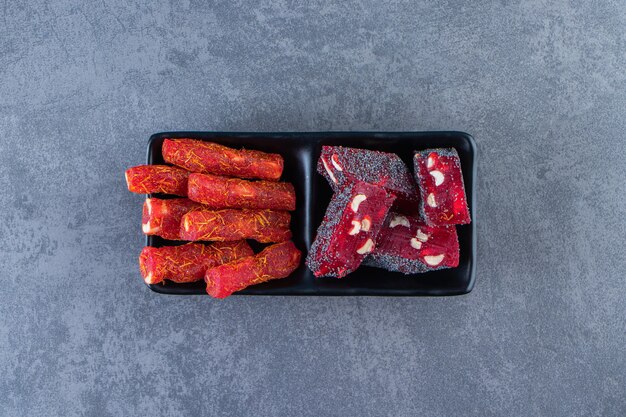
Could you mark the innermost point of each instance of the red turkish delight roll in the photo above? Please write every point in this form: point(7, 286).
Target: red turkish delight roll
point(165, 179)
point(264, 226)
point(221, 192)
point(189, 262)
point(407, 244)
point(162, 217)
point(340, 165)
point(211, 158)
point(276, 261)
point(349, 229)
point(439, 177)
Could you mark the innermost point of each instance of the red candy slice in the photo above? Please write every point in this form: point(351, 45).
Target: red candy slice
point(439, 177)
point(349, 229)
point(162, 217)
point(341, 165)
point(229, 224)
point(211, 158)
point(188, 263)
point(165, 179)
point(276, 261)
point(221, 192)
point(407, 244)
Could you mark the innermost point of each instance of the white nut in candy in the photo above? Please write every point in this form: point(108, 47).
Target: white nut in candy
point(430, 200)
point(430, 162)
point(433, 260)
point(356, 202)
point(438, 176)
point(330, 173)
point(416, 243)
point(366, 247)
point(335, 161)
point(147, 228)
point(421, 236)
point(366, 224)
point(399, 221)
point(148, 278)
point(356, 228)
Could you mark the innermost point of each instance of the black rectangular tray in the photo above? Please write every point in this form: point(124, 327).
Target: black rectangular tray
point(301, 151)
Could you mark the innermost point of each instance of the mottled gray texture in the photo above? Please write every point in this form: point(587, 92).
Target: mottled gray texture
point(542, 87)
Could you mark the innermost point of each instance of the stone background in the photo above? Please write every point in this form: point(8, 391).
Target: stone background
point(541, 85)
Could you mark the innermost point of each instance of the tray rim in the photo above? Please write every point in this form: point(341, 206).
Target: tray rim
point(346, 133)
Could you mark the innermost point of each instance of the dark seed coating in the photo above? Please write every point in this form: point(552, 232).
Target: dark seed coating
point(340, 164)
point(397, 263)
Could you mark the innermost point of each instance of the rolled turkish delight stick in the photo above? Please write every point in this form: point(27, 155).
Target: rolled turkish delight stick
point(264, 226)
point(440, 180)
point(189, 262)
point(221, 192)
point(162, 217)
point(212, 158)
point(340, 165)
point(165, 179)
point(274, 262)
point(407, 244)
point(349, 229)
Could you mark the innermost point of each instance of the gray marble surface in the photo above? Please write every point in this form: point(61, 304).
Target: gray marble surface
point(540, 84)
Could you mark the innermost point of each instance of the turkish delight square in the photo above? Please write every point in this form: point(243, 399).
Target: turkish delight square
point(440, 181)
point(349, 229)
point(340, 165)
point(407, 244)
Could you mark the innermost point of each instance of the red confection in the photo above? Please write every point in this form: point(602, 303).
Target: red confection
point(211, 158)
point(148, 179)
point(438, 174)
point(221, 192)
point(264, 226)
point(162, 217)
point(407, 244)
point(340, 165)
point(276, 261)
point(188, 263)
point(349, 229)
